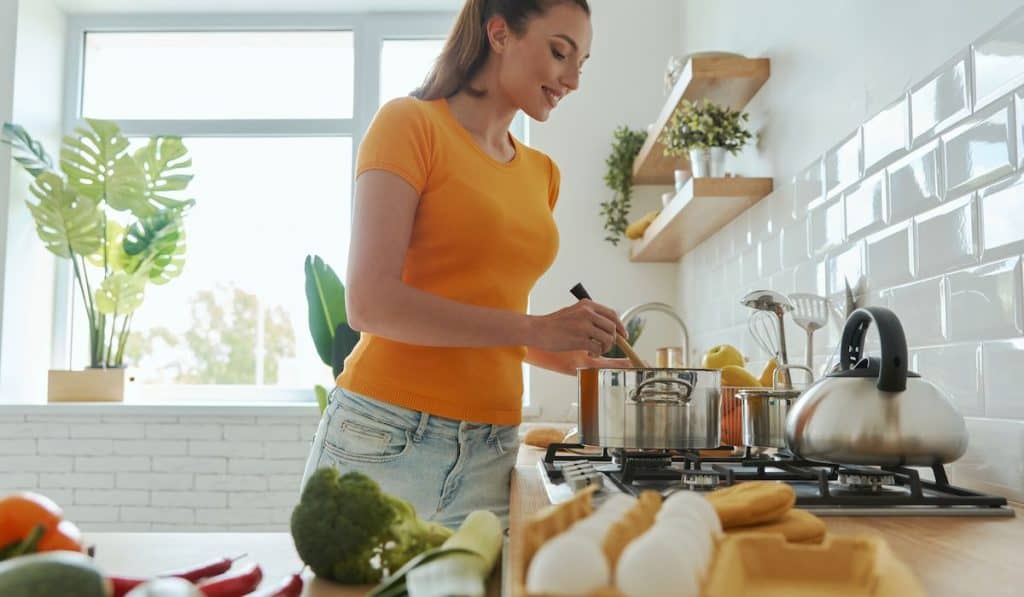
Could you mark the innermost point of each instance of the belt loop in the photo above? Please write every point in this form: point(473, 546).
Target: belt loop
point(421, 428)
point(493, 434)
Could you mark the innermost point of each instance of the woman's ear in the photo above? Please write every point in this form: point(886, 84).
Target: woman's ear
point(498, 33)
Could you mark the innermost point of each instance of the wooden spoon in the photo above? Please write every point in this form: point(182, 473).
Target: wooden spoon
point(581, 293)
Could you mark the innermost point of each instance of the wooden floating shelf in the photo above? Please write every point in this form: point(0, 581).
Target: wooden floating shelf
point(701, 208)
point(725, 80)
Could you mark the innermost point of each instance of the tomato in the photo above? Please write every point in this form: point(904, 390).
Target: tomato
point(21, 512)
point(65, 537)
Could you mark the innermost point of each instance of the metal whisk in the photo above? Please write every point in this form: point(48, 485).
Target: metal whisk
point(763, 326)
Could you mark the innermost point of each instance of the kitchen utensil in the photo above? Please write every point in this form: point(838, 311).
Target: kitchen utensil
point(765, 409)
point(810, 312)
point(777, 303)
point(581, 293)
point(650, 408)
point(874, 411)
point(761, 326)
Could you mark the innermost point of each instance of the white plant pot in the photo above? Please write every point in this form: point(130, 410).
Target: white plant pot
point(708, 162)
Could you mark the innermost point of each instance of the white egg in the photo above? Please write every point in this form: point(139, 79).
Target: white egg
point(615, 506)
point(690, 537)
point(654, 566)
point(567, 564)
point(687, 504)
point(594, 532)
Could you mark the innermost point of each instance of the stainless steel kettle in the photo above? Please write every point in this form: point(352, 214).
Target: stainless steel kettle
point(875, 411)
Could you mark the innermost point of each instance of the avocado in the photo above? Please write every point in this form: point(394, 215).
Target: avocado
point(52, 574)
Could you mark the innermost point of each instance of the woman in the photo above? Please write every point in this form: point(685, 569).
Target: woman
point(452, 228)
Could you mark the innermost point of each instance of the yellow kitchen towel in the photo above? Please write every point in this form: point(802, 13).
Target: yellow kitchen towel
point(752, 502)
point(797, 526)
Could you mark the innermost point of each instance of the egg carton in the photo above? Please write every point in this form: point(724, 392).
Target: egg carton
point(557, 519)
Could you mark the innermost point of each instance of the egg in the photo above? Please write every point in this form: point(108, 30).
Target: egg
point(567, 564)
point(653, 565)
point(592, 531)
point(685, 504)
point(689, 536)
point(615, 505)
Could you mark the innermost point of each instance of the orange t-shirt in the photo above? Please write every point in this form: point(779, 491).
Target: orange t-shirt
point(483, 235)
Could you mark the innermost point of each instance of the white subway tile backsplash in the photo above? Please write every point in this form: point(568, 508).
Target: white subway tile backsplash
point(769, 257)
point(808, 186)
point(941, 99)
point(844, 267)
point(236, 516)
point(1001, 214)
point(154, 481)
point(17, 446)
point(266, 432)
point(33, 430)
point(231, 482)
point(915, 183)
point(76, 447)
point(992, 461)
point(285, 482)
point(150, 447)
point(263, 499)
point(826, 226)
point(750, 265)
point(985, 302)
point(794, 244)
point(157, 515)
point(999, 59)
point(1003, 395)
point(190, 499)
point(41, 464)
point(189, 464)
point(107, 431)
point(76, 480)
point(946, 237)
point(86, 514)
point(99, 464)
point(247, 466)
point(191, 431)
point(843, 164)
point(809, 277)
point(247, 449)
point(886, 134)
point(921, 309)
point(866, 206)
point(111, 497)
point(981, 150)
point(890, 256)
point(954, 369)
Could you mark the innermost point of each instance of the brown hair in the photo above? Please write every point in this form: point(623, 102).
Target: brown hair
point(467, 46)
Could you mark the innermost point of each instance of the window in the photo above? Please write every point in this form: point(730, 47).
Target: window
point(271, 110)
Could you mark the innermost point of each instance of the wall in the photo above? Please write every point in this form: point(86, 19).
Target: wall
point(916, 194)
point(28, 270)
point(621, 84)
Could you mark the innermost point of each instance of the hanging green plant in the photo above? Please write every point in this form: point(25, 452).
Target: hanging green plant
point(619, 179)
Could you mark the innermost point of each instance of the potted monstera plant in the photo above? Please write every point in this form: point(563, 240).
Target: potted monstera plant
point(328, 320)
point(117, 216)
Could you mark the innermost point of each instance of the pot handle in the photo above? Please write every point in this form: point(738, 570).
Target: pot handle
point(639, 392)
point(892, 374)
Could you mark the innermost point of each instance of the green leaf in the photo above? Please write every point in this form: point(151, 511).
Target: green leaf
point(120, 293)
point(26, 151)
point(141, 183)
point(155, 246)
point(325, 296)
point(66, 221)
point(321, 397)
point(88, 160)
point(117, 259)
point(345, 339)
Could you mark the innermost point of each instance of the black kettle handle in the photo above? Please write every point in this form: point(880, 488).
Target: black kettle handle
point(892, 375)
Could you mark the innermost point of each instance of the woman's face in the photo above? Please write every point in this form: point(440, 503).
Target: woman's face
point(543, 66)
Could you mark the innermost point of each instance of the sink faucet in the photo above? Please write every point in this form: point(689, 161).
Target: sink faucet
point(635, 310)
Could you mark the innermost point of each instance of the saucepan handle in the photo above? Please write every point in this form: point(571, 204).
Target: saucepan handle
point(644, 392)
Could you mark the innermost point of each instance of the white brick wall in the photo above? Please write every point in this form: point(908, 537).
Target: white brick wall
point(155, 472)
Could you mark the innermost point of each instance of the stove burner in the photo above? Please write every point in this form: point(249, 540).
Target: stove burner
point(867, 481)
point(699, 480)
point(643, 460)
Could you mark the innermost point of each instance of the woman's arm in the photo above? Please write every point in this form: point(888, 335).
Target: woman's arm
point(380, 303)
point(569, 362)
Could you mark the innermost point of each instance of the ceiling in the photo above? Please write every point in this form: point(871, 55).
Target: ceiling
point(255, 6)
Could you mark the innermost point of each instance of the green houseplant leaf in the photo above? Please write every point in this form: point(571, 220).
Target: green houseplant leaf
point(26, 151)
point(67, 222)
point(155, 246)
point(88, 160)
point(116, 258)
point(325, 296)
point(321, 397)
point(141, 183)
point(345, 339)
point(120, 293)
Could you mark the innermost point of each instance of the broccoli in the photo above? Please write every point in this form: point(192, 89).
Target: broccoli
point(348, 530)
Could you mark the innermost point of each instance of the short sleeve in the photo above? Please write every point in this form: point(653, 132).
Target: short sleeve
point(398, 141)
point(553, 184)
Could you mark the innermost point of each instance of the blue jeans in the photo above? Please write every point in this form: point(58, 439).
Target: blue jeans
point(443, 467)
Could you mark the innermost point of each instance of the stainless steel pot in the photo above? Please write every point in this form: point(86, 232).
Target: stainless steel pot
point(764, 411)
point(875, 411)
point(647, 408)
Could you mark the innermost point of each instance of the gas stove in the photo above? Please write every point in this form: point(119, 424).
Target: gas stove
point(825, 489)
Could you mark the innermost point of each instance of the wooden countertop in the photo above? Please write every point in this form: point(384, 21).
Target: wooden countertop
point(949, 555)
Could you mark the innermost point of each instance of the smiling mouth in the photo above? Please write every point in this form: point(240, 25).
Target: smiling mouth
point(552, 97)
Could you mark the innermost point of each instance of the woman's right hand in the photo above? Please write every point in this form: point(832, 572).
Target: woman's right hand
point(585, 325)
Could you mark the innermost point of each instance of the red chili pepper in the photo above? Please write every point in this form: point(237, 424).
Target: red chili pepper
point(234, 584)
point(212, 568)
point(123, 584)
point(290, 586)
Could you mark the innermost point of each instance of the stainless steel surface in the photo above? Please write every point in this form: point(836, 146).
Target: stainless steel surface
point(811, 313)
point(777, 303)
point(878, 414)
point(650, 408)
point(684, 333)
point(764, 412)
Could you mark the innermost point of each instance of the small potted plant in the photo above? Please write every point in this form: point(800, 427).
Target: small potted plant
point(705, 131)
point(118, 216)
point(328, 320)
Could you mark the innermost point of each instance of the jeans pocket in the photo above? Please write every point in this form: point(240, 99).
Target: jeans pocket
point(355, 438)
point(507, 440)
